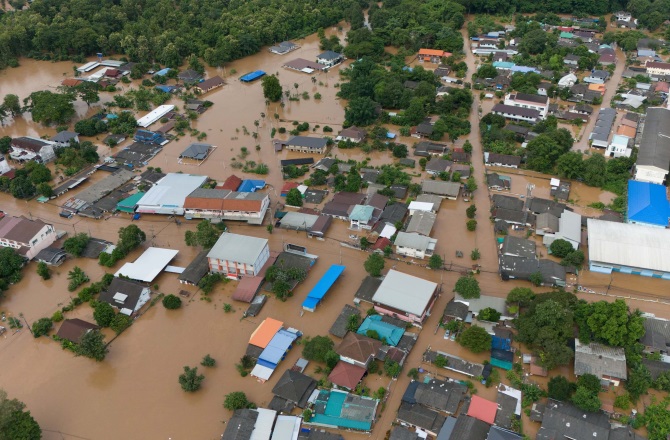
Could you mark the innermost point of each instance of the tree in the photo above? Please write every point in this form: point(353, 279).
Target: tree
point(12, 105)
point(435, 262)
point(331, 359)
point(536, 278)
point(130, 237)
point(15, 422)
point(475, 338)
point(575, 258)
point(489, 314)
point(522, 295)
point(77, 277)
point(374, 265)
point(43, 270)
point(45, 190)
point(316, 348)
point(361, 111)
point(120, 323)
point(595, 168)
point(50, 108)
point(88, 92)
point(639, 381)
point(5, 143)
point(206, 235)
point(190, 380)
point(353, 322)
point(570, 165)
point(590, 382)
point(399, 151)
point(586, 400)
point(104, 314)
point(272, 90)
point(75, 245)
point(42, 327)
point(560, 388)
point(92, 345)
point(467, 287)
point(208, 361)
point(171, 302)
point(611, 323)
point(294, 197)
point(471, 211)
point(440, 361)
point(560, 248)
point(471, 225)
point(475, 254)
point(471, 184)
point(237, 400)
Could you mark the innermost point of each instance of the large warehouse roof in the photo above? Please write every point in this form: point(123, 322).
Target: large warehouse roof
point(239, 248)
point(172, 190)
point(405, 292)
point(149, 265)
point(629, 245)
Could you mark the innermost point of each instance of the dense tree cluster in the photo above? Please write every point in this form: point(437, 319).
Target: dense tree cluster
point(15, 421)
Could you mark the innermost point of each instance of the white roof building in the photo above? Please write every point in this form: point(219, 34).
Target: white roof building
point(264, 422)
point(420, 206)
point(149, 265)
point(628, 248)
point(237, 255)
point(405, 296)
point(169, 194)
point(286, 428)
point(154, 115)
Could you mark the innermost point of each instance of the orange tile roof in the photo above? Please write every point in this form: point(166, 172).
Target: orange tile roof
point(483, 409)
point(71, 82)
point(626, 131)
point(597, 87)
point(431, 52)
point(262, 336)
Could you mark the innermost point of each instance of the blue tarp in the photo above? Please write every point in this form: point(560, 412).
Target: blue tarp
point(388, 333)
point(501, 364)
point(647, 203)
point(163, 72)
point(499, 343)
point(166, 89)
point(250, 185)
point(322, 287)
point(277, 348)
point(502, 355)
point(253, 76)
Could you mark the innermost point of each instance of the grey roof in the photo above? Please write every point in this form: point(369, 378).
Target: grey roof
point(339, 327)
point(506, 410)
point(624, 433)
point(426, 148)
point(127, 287)
point(315, 196)
point(422, 222)
point(547, 221)
point(306, 141)
point(655, 142)
point(431, 198)
point(196, 269)
point(518, 129)
point(400, 433)
point(329, 55)
point(504, 159)
point(238, 248)
point(507, 202)
point(319, 434)
point(602, 74)
point(456, 309)
point(51, 255)
point(513, 216)
point(196, 151)
point(324, 163)
point(415, 240)
point(493, 180)
point(448, 189)
point(295, 387)
point(438, 165)
point(394, 213)
point(522, 268)
point(436, 394)
point(600, 360)
point(498, 433)
point(604, 123)
point(417, 415)
point(405, 292)
point(241, 425)
point(656, 368)
point(530, 98)
point(519, 247)
point(563, 420)
point(64, 136)
point(367, 289)
point(538, 206)
point(657, 333)
point(469, 428)
point(513, 110)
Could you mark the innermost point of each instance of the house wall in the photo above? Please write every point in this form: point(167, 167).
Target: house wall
point(191, 213)
point(354, 361)
point(618, 151)
point(405, 316)
point(516, 117)
point(145, 296)
point(305, 149)
point(238, 269)
point(410, 252)
point(658, 71)
point(644, 173)
point(608, 268)
point(44, 238)
point(542, 108)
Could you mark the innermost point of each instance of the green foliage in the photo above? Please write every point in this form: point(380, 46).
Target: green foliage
point(57, 316)
point(77, 156)
point(590, 382)
point(610, 323)
point(574, 258)
point(361, 111)
point(42, 326)
point(413, 373)
point(435, 262)
point(10, 267)
point(440, 361)
point(237, 400)
point(77, 277)
point(272, 90)
point(560, 248)
point(489, 314)
point(536, 278)
point(294, 197)
point(353, 322)
point(76, 244)
point(639, 381)
point(622, 401)
point(209, 281)
point(374, 265)
point(171, 302)
point(104, 314)
point(50, 108)
point(206, 234)
point(392, 368)
point(586, 399)
point(227, 308)
point(399, 151)
point(475, 255)
point(471, 211)
point(475, 339)
point(120, 323)
point(43, 270)
point(331, 359)
point(307, 415)
point(92, 345)
point(190, 380)
point(657, 420)
point(208, 361)
point(560, 388)
point(468, 287)
point(316, 348)
point(15, 422)
point(471, 225)
point(130, 237)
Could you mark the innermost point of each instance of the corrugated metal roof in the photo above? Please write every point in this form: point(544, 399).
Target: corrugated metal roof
point(405, 292)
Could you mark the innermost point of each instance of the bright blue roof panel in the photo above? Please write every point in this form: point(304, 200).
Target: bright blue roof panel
point(322, 287)
point(388, 333)
point(647, 203)
point(251, 185)
point(253, 76)
point(277, 348)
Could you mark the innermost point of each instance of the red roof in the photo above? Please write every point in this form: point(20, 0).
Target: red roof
point(288, 186)
point(232, 183)
point(71, 82)
point(381, 243)
point(482, 409)
point(346, 375)
point(662, 86)
point(247, 289)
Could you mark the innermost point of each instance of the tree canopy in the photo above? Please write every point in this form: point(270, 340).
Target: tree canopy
point(15, 422)
point(374, 264)
point(468, 287)
point(316, 348)
point(475, 338)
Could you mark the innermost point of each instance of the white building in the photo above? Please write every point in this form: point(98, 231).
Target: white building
point(414, 245)
point(619, 147)
point(653, 157)
point(28, 148)
point(568, 80)
point(526, 100)
point(169, 194)
point(405, 297)
point(657, 68)
point(238, 255)
point(27, 237)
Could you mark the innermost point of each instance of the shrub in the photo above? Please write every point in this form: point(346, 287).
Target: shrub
point(171, 302)
point(43, 270)
point(190, 380)
point(120, 323)
point(103, 314)
point(42, 326)
point(237, 400)
point(227, 308)
point(208, 361)
point(471, 225)
point(57, 316)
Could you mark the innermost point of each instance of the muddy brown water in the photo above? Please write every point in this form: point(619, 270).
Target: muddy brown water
point(137, 384)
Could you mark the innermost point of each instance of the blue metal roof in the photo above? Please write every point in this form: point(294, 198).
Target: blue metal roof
point(250, 185)
point(647, 203)
point(163, 72)
point(322, 287)
point(253, 76)
point(388, 333)
point(274, 352)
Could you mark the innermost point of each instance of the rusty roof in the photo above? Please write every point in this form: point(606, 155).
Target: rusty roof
point(358, 347)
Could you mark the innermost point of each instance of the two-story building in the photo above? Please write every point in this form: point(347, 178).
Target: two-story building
point(526, 100)
point(657, 68)
point(223, 204)
point(27, 237)
point(405, 297)
point(26, 148)
point(237, 255)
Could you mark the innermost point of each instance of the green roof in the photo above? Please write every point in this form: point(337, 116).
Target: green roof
point(128, 204)
point(388, 333)
point(566, 35)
